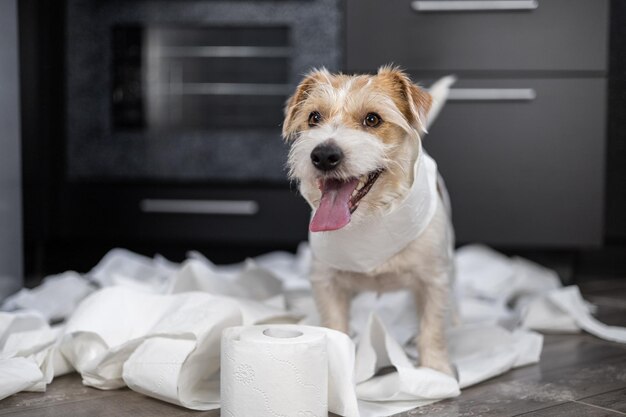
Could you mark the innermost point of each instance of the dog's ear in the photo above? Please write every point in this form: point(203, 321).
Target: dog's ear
point(413, 101)
point(294, 103)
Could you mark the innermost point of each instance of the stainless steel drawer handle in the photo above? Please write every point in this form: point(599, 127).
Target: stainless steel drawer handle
point(223, 52)
point(226, 207)
point(227, 89)
point(476, 5)
point(492, 94)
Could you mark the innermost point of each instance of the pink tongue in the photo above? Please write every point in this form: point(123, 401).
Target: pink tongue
point(333, 212)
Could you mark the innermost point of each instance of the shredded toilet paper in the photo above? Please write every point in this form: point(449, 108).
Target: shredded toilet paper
point(156, 327)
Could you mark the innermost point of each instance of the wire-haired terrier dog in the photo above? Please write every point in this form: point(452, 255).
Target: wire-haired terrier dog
point(381, 220)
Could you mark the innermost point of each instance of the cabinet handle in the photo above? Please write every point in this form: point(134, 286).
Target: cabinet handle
point(492, 94)
point(223, 52)
point(225, 207)
point(476, 5)
point(227, 89)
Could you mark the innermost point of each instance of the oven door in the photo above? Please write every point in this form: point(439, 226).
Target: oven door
point(187, 90)
point(173, 118)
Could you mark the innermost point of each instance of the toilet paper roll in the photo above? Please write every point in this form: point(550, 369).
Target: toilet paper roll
point(274, 370)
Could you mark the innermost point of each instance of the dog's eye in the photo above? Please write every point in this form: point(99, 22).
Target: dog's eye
point(314, 118)
point(372, 120)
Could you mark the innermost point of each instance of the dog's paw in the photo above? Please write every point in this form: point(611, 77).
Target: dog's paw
point(441, 365)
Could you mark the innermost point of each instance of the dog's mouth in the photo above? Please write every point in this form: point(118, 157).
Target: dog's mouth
point(339, 200)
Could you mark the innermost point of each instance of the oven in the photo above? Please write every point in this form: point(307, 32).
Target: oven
point(170, 121)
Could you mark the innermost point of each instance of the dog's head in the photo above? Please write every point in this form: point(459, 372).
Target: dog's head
point(354, 140)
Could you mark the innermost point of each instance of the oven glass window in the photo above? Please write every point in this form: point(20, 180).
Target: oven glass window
point(190, 78)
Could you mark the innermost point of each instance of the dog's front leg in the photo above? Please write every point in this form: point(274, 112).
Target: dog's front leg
point(332, 300)
point(432, 299)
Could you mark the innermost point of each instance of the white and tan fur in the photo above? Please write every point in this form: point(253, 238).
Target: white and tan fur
point(424, 266)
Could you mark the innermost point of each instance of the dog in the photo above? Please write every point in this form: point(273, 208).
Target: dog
point(355, 152)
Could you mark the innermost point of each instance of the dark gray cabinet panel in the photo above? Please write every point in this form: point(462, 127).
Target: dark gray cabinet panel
point(10, 192)
point(525, 172)
point(559, 35)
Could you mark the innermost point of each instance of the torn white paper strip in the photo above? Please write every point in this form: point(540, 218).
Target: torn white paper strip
point(377, 350)
point(571, 302)
point(21, 321)
point(481, 352)
point(122, 266)
point(17, 374)
point(55, 299)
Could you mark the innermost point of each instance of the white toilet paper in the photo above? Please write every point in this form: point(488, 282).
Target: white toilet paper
point(167, 345)
point(274, 370)
point(386, 233)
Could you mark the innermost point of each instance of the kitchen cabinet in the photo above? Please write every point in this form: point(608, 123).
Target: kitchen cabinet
point(521, 142)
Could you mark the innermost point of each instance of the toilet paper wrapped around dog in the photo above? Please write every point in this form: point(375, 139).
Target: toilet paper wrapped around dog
point(385, 233)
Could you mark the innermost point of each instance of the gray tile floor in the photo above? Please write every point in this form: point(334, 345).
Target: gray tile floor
point(579, 375)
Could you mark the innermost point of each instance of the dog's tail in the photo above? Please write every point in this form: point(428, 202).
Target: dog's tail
point(439, 92)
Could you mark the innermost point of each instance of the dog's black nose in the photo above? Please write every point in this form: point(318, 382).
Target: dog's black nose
point(326, 156)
